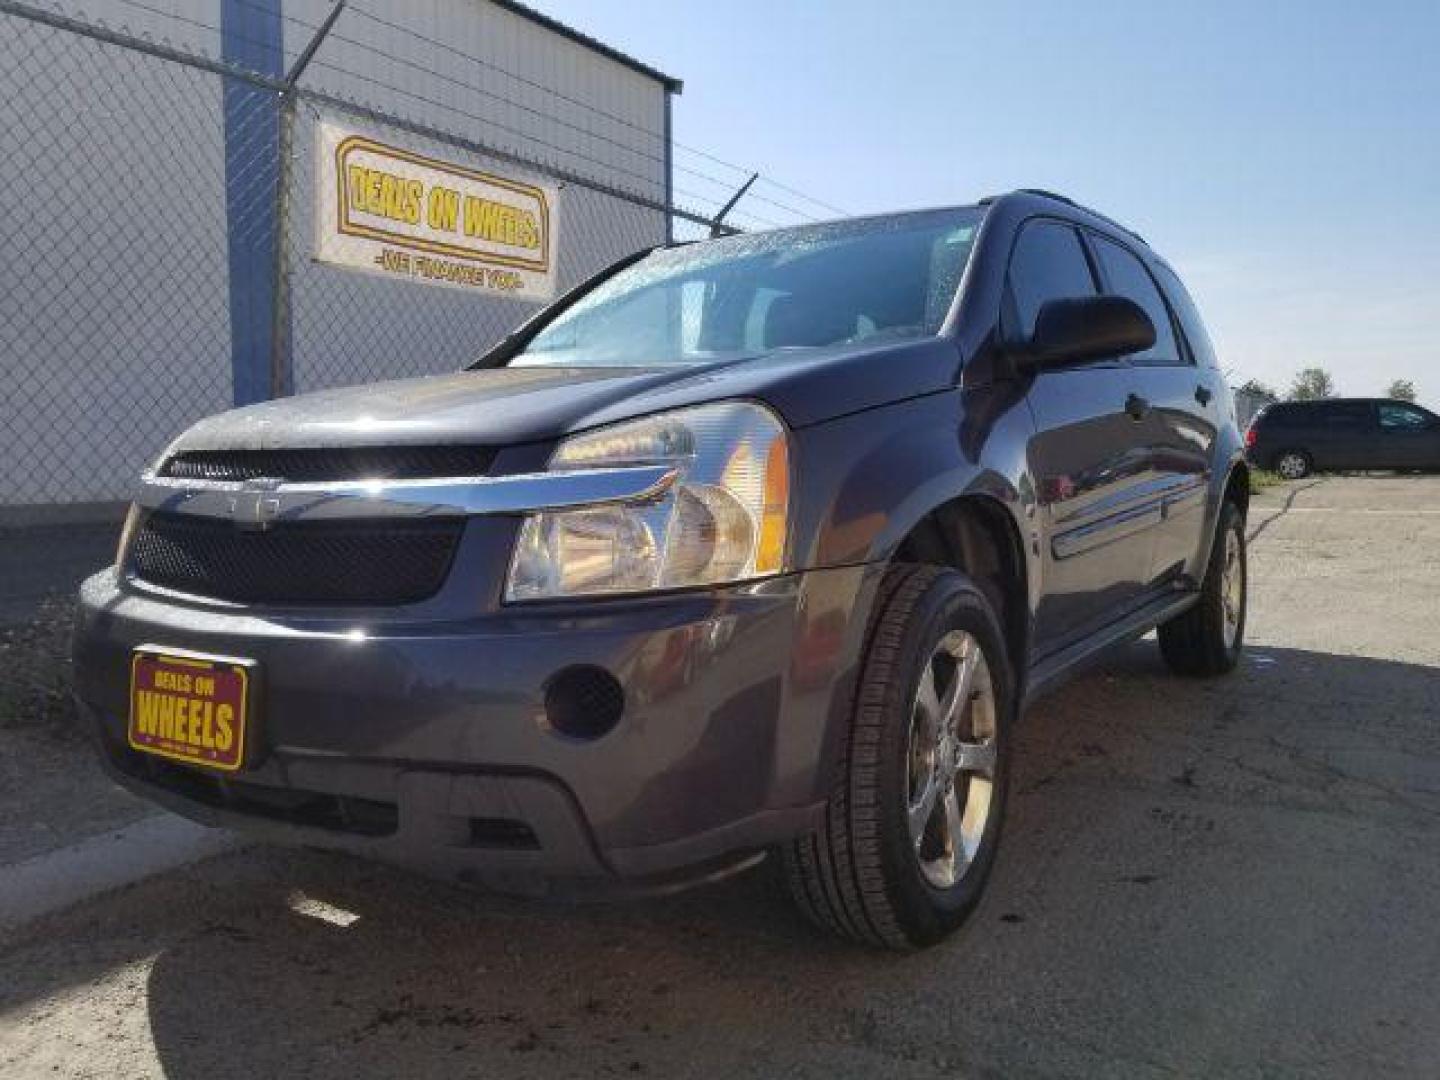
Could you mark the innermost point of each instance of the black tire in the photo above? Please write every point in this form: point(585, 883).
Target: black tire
point(1292, 464)
point(860, 875)
point(1197, 642)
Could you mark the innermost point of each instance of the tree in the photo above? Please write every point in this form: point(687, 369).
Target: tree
point(1401, 390)
point(1256, 388)
point(1311, 384)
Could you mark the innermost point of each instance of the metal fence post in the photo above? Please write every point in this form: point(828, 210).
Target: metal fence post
point(281, 367)
point(251, 38)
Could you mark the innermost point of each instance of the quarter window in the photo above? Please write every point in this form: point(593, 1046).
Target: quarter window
point(1048, 264)
point(1126, 276)
point(1402, 418)
point(1189, 316)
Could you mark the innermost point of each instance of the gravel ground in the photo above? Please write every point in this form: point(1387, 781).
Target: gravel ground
point(52, 791)
point(1231, 878)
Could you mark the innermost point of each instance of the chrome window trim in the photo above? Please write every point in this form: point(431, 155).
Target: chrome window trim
point(261, 502)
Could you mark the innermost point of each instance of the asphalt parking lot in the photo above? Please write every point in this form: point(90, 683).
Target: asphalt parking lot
point(1230, 878)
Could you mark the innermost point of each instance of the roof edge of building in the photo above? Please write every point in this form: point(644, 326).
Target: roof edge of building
point(671, 84)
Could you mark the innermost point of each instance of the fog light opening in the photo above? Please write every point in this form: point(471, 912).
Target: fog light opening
point(583, 702)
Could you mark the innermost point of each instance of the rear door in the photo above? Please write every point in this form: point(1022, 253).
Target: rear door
point(1409, 437)
point(1182, 403)
point(1087, 457)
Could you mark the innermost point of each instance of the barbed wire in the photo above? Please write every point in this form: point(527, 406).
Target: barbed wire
point(336, 35)
point(578, 103)
point(339, 36)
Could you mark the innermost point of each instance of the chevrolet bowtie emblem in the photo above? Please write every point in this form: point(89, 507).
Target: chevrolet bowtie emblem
point(255, 509)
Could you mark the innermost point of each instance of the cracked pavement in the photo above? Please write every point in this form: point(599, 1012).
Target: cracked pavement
point(1234, 878)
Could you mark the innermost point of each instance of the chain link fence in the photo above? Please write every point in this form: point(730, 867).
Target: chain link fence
point(105, 351)
point(1247, 405)
point(158, 250)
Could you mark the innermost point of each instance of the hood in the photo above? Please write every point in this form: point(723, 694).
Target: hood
point(511, 406)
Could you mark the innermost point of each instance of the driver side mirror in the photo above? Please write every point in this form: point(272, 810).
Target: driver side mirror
point(1085, 328)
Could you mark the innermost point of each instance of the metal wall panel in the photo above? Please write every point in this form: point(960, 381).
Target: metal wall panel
point(481, 70)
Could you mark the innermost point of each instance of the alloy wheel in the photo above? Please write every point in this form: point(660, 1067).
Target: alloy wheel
point(1232, 587)
point(951, 759)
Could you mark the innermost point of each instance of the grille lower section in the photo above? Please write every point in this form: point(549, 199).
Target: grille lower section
point(308, 809)
point(300, 562)
point(304, 464)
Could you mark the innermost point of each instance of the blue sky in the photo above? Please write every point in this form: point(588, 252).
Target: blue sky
point(1284, 156)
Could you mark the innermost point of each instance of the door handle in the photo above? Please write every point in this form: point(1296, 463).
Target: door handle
point(1137, 407)
point(1203, 394)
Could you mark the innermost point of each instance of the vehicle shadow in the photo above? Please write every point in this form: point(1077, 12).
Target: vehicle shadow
point(1184, 884)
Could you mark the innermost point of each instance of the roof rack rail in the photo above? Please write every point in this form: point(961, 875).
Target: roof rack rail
point(1044, 194)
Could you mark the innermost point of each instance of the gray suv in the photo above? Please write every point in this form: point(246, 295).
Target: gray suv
point(757, 545)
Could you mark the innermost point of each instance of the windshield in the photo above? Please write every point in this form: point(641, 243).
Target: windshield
point(882, 279)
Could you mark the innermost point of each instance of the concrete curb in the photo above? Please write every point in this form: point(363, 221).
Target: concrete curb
point(69, 875)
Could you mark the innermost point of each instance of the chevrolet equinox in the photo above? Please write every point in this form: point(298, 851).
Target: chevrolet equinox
point(758, 544)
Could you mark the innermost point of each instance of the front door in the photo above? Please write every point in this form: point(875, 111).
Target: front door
point(1099, 504)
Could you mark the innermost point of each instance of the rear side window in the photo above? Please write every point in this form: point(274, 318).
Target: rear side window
point(1048, 263)
point(1402, 417)
point(1126, 276)
point(1194, 326)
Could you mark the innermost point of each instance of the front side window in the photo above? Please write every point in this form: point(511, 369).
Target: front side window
point(1344, 414)
point(1126, 276)
point(880, 279)
point(1048, 263)
point(1402, 417)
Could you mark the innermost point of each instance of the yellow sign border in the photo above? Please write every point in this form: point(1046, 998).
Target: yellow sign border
point(346, 227)
point(207, 664)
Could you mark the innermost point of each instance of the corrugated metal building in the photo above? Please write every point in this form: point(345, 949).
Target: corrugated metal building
point(169, 273)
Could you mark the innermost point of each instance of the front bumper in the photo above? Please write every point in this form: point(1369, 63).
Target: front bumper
point(425, 740)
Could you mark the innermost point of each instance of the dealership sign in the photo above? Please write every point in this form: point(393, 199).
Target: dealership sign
point(386, 210)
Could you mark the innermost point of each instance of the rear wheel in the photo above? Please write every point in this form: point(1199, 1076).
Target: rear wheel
point(1293, 464)
point(1207, 639)
point(913, 822)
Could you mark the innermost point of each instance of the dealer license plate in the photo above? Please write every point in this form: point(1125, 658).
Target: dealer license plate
point(190, 707)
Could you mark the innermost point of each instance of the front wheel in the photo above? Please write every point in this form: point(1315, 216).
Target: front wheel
point(913, 821)
point(1207, 639)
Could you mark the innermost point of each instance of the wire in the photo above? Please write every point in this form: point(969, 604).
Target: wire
point(588, 106)
point(336, 36)
point(552, 118)
point(541, 114)
point(763, 179)
point(491, 122)
point(198, 24)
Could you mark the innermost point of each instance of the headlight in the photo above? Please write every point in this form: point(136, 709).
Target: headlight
point(724, 519)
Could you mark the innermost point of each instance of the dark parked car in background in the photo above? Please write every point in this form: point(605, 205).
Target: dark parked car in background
point(1296, 438)
point(752, 545)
